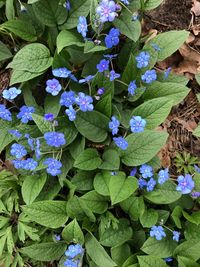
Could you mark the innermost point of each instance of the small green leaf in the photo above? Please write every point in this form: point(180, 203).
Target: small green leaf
point(114, 237)
point(101, 183)
point(142, 147)
point(189, 249)
point(121, 188)
point(134, 207)
point(83, 180)
point(149, 218)
point(23, 29)
point(78, 8)
point(32, 186)
point(45, 251)
point(42, 124)
point(4, 52)
point(72, 233)
point(105, 105)
point(163, 248)
point(151, 4)
point(68, 38)
point(97, 253)
point(196, 132)
point(151, 261)
point(163, 194)
point(111, 160)
point(93, 125)
point(50, 213)
point(19, 76)
point(88, 160)
point(95, 202)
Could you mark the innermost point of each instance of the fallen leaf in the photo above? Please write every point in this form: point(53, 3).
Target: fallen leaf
point(196, 8)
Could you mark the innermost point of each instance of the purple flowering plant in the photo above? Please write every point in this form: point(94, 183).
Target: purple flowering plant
point(80, 180)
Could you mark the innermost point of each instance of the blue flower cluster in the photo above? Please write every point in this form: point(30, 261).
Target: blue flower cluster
point(107, 10)
point(158, 232)
point(137, 124)
point(11, 93)
point(74, 255)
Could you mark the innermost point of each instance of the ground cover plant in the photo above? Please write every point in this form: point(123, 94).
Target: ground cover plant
point(81, 183)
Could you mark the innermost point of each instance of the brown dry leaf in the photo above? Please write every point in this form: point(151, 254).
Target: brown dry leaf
point(189, 53)
point(196, 8)
point(187, 66)
point(164, 156)
point(190, 125)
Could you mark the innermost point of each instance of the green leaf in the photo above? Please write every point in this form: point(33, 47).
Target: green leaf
point(93, 125)
point(77, 208)
point(105, 105)
point(72, 233)
point(31, 232)
point(149, 218)
point(90, 47)
point(83, 180)
point(19, 76)
point(50, 13)
point(120, 253)
point(163, 248)
point(121, 188)
point(68, 38)
point(128, 27)
point(111, 160)
point(48, 213)
point(88, 160)
point(176, 215)
point(194, 218)
point(154, 111)
point(169, 42)
point(32, 186)
point(142, 147)
point(151, 4)
point(77, 146)
point(97, 253)
point(189, 249)
point(52, 104)
point(10, 9)
point(185, 262)
point(134, 207)
point(95, 202)
point(163, 194)
point(151, 261)
point(196, 132)
point(23, 29)
point(173, 91)
point(101, 183)
point(114, 237)
point(4, 52)
point(45, 251)
point(34, 58)
point(78, 8)
point(5, 139)
point(42, 124)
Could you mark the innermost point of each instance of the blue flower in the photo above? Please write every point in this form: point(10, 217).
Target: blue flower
point(113, 125)
point(49, 117)
point(176, 236)
point(71, 263)
point(126, 2)
point(185, 184)
point(112, 38)
point(142, 183)
point(68, 6)
point(197, 169)
point(101, 91)
point(15, 133)
point(5, 114)
point(17, 163)
point(29, 164)
point(132, 87)
point(151, 184)
point(167, 72)
point(57, 237)
point(163, 176)
point(18, 151)
point(71, 113)
point(82, 26)
point(67, 99)
point(103, 65)
point(11, 93)
point(133, 172)
point(37, 149)
point(106, 10)
point(84, 102)
point(143, 59)
point(157, 232)
point(86, 79)
point(155, 46)
point(110, 57)
point(146, 171)
point(168, 259)
point(113, 75)
point(30, 141)
point(53, 167)
point(25, 114)
point(54, 139)
point(61, 72)
point(149, 76)
point(53, 87)
point(74, 250)
point(137, 124)
point(195, 194)
point(121, 142)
